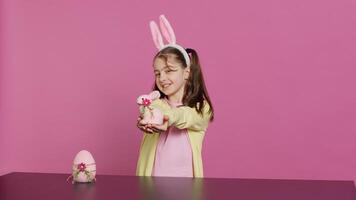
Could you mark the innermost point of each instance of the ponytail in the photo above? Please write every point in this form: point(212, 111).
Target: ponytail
point(195, 91)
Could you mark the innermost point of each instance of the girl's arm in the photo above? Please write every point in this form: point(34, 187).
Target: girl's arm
point(185, 117)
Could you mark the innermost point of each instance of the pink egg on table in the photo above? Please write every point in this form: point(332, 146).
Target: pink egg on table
point(84, 167)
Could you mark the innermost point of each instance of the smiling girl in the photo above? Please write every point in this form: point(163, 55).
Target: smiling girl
point(174, 148)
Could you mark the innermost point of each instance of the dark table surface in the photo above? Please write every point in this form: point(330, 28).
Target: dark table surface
point(16, 186)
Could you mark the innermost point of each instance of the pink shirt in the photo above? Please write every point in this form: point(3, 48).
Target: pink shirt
point(173, 153)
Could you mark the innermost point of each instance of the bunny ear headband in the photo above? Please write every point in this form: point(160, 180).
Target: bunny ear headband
point(169, 35)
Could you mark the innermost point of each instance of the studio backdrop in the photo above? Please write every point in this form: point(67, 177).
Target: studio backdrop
point(281, 76)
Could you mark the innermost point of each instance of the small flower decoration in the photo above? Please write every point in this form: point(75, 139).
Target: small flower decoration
point(81, 167)
point(146, 102)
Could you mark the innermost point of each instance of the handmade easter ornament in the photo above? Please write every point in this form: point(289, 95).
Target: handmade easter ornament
point(83, 168)
point(150, 114)
point(169, 35)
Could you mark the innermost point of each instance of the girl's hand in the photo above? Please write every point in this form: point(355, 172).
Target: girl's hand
point(159, 128)
point(143, 126)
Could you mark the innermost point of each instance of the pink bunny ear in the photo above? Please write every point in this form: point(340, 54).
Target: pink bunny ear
point(167, 30)
point(154, 94)
point(139, 99)
point(156, 35)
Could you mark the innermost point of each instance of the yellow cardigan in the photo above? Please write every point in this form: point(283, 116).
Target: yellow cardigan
point(183, 117)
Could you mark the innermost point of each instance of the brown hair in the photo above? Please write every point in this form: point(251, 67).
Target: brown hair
point(195, 91)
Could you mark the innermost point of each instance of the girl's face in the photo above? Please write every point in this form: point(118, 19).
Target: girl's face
point(170, 77)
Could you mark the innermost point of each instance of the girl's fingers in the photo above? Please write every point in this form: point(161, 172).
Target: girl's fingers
point(157, 128)
point(143, 127)
point(158, 131)
point(149, 130)
point(140, 122)
point(140, 125)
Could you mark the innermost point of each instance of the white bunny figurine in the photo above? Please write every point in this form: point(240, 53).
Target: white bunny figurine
point(150, 115)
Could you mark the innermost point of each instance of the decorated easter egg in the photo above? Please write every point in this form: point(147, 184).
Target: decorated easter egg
point(84, 168)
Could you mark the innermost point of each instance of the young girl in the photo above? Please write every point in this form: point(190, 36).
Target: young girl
point(174, 148)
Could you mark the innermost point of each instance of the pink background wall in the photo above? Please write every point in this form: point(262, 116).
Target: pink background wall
point(281, 75)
